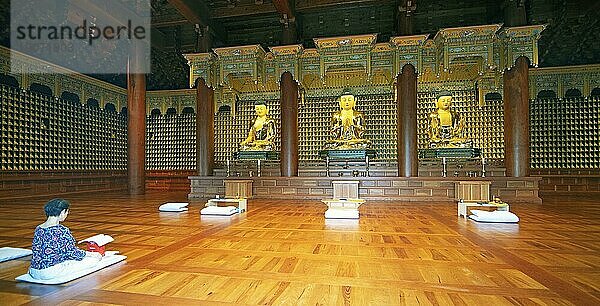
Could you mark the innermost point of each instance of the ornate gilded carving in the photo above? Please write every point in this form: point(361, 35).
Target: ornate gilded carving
point(345, 41)
point(382, 64)
point(409, 50)
point(467, 43)
point(84, 86)
point(286, 58)
point(560, 79)
point(238, 65)
point(461, 55)
point(202, 65)
point(353, 52)
point(520, 41)
point(164, 99)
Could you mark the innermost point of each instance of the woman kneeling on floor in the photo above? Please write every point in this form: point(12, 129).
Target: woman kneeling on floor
point(54, 251)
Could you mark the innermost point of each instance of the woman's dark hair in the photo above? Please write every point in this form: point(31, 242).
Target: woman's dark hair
point(55, 206)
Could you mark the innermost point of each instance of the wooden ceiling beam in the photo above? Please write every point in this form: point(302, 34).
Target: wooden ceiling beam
point(308, 5)
point(170, 23)
point(197, 13)
point(286, 6)
point(243, 10)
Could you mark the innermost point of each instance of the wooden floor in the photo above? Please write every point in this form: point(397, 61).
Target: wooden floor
point(285, 253)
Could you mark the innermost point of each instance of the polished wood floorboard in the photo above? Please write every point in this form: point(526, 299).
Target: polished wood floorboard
point(283, 252)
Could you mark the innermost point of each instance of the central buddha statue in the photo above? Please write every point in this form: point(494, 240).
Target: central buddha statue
point(348, 126)
point(446, 125)
point(263, 130)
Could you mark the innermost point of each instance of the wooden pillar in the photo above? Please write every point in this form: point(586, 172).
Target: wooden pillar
point(405, 17)
point(289, 125)
point(289, 33)
point(289, 29)
point(514, 13)
point(516, 119)
point(204, 39)
point(205, 131)
point(406, 121)
point(136, 130)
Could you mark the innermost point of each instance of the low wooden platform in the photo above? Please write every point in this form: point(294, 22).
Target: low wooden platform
point(418, 189)
point(283, 252)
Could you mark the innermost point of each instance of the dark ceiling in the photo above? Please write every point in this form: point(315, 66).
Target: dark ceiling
point(572, 36)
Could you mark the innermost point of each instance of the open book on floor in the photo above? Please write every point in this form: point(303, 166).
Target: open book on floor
point(100, 239)
point(97, 243)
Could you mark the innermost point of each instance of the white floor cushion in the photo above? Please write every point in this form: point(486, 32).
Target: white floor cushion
point(8, 253)
point(219, 210)
point(106, 261)
point(496, 216)
point(173, 207)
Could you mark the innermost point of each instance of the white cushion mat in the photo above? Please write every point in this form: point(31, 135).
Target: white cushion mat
point(106, 261)
point(174, 207)
point(219, 210)
point(493, 216)
point(8, 253)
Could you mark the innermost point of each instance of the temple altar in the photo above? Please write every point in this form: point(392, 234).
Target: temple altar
point(359, 82)
point(348, 155)
point(252, 156)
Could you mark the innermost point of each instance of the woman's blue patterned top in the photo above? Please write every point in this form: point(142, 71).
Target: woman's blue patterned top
point(53, 245)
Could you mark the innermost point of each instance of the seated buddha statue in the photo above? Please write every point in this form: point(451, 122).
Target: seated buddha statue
point(348, 126)
point(446, 125)
point(262, 133)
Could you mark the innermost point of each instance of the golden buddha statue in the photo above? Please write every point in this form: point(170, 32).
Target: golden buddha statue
point(446, 125)
point(348, 126)
point(262, 133)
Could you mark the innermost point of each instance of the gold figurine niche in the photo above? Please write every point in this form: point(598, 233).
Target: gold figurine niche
point(348, 131)
point(259, 144)
point(262, 132)
point(446, 140)
point(446, 126)
point(348, 126)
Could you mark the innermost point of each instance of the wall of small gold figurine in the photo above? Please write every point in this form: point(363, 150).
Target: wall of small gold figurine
point(565, 133)
point(227, 133)
point(46, 133)
point(171, 142)
point(43, 132)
